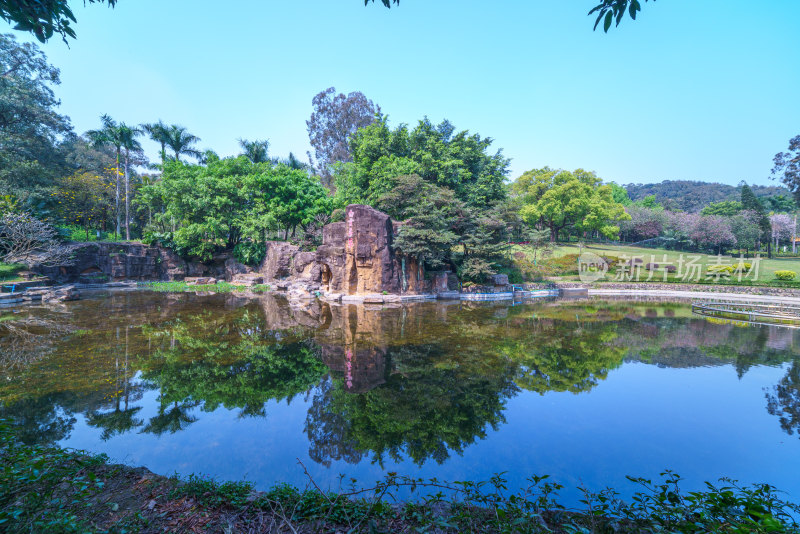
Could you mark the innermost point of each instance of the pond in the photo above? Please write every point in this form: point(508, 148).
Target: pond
point(258, 389)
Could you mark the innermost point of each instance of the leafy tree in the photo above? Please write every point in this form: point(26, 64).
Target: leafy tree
point(215, 206)
point(440, 156)
point(560, 200)
point(30, 127)
point(256, 151)
point(83, 199)
point(620, 194)
point(430, 214)
point(746, 229)
point(787, 167)
point(82, 155)
point(726, 208)
point(779, 203)
point(441, 230)
point(282, 197)
point(180, 141)
point(43, 18)
point(611, 11)
point(751, 203)
point(649, 202)
point(203, 205)
point(334, 121)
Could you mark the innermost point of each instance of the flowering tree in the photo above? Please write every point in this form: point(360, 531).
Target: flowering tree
point(783, 227)
point(645, 223)
point(680, 225)
point(713, 231)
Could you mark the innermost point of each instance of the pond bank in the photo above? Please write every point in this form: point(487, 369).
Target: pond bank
point(52, 489)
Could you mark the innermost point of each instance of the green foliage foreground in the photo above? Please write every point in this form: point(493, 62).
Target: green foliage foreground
point(46, 488)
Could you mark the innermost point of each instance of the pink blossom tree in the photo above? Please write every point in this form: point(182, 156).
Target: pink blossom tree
point(782, 227)
point(713, 231)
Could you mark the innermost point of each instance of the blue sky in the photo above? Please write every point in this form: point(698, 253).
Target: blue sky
point(692, 90)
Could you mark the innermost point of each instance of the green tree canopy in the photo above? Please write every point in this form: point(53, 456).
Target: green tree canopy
point(437, 153)
point(559, 200)
point(30, 127)
point(751, 203)
point(43, 18)
point(215, 206)
point(726, 208)
point(787, 167)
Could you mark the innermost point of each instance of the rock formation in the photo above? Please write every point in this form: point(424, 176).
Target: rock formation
point(104, 262)
point(356, 257)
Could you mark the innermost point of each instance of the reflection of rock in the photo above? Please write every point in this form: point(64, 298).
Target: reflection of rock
point(363, 369)
point(356, 257)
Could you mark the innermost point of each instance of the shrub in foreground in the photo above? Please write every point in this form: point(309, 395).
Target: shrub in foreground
point(49, 489)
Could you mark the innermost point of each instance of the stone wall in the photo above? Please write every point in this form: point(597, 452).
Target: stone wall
point(105, 262)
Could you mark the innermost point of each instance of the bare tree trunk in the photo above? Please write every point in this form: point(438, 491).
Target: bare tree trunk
point(116, 199)
point(127, 200)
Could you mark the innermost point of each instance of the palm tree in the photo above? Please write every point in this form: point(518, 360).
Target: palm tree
point(180, 141)
point(109, 134)
point(158, 132)
point(129, 143)
point(256, 151)
point(293, 163)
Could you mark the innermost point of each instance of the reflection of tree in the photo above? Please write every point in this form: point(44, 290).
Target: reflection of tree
point(560, 356)
point(171, 419)
point(327, 431)
point(25, 338)
point(434, 403)
point(784, 401)
point(246, 376)
point(115, 422)
point(39, 420)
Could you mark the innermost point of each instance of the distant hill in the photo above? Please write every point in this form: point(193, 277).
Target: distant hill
point(693, 196)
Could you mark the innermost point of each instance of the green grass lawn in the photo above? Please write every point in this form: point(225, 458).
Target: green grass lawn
point(766, 268)
point(219, 287)
point(8, 272)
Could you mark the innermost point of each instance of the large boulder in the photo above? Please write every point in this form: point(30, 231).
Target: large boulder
point(278, 260)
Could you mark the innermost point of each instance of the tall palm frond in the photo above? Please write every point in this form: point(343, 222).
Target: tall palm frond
point(256, 151)
point(181, 142)
point(158, 132)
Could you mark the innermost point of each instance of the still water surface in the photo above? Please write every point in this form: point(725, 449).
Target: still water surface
point(586, 392)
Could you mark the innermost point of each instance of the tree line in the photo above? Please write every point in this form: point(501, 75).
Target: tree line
point(450, 187)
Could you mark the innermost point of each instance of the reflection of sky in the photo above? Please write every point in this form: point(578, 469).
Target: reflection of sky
point(703, 423)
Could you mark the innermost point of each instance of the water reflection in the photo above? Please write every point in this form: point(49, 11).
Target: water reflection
point(783, 400)
point(421, 382)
